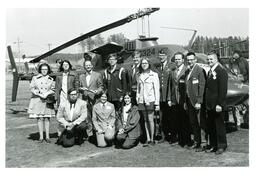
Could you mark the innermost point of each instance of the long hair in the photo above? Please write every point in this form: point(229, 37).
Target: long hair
point(44, 64)
point(61, 65)
point(140, 67)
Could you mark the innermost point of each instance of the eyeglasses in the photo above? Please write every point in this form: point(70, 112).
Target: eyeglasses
point(73, 94)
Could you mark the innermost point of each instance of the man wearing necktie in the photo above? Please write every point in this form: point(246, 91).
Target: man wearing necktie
point(72, 118)
point(164, 74)
point(178, 94)
point(195, 84)
point(215, 96)
point(90, 84)
point(132, 75)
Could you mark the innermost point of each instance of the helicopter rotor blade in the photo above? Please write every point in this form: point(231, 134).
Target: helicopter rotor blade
point(15, 81)
point(123, 21)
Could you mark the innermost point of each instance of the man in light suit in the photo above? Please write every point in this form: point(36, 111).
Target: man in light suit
point(178, 99)
point(215, 96)
point(195, 84)
point(90, 84)
point(72, 117)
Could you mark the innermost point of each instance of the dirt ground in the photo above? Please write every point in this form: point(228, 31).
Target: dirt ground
point(23, 150)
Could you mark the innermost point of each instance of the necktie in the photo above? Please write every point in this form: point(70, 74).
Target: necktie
point(162, 66)
point(210, 73)
point(72, 112)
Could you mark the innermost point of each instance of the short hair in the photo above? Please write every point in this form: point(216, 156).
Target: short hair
point(136, 52)
point(71, 90)
point(87, 60)
point(87, 56)
point(140, 67)
point(61, 69)
point(214, 52)
point(179, 53)
point(237, 52)
point(44, 64)
point(191, 53)
point(162, 52)
point(58, 60)
point(112, 55)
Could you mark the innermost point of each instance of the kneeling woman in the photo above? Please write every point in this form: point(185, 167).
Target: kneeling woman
point(103, 118)
point(128, 125)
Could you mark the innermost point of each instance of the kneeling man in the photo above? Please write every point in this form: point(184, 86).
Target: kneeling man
point(72, 118)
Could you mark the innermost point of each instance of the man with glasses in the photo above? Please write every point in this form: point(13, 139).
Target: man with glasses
point(72, 118)
point(195, 84)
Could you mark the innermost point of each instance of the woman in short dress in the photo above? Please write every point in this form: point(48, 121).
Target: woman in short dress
point(103, 118)
point(148, 95)
point(42, 100)
point(127, 124)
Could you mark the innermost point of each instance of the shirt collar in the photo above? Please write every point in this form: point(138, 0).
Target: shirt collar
point(180, 68)
point(214, 67)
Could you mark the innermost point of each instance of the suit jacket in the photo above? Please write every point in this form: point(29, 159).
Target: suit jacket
point(79, 115)
point(116, 85)
point(195, 85)
point(178, 86)
point(58, 84)
point(101, 118)
point(132, 127)
point(148, 89)
point(216, 89)
point(132, 78)
point(95, 84)
point(165, 81)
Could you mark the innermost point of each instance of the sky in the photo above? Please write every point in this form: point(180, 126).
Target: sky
point(38, 27)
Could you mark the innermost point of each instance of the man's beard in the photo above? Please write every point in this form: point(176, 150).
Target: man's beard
point(72, 100)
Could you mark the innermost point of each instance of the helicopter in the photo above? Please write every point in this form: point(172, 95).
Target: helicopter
point(147, 46)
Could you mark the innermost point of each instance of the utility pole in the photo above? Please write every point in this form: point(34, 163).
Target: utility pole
point(49, 46)
point(18, 44)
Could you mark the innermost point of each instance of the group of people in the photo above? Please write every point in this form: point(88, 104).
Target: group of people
point(119, 105)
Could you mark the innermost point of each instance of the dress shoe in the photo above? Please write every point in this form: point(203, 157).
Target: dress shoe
point(47, 140)
point(40, 140)
point(211, 150)
point(219, 151)
point(207, 147)
point(152, 143)
point(146, 144)
point(199, 149)
point(161, 141)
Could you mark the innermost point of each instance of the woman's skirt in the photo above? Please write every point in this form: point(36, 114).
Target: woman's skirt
point(144, 107)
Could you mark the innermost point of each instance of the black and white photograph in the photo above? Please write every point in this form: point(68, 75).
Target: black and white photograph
point(146, 86)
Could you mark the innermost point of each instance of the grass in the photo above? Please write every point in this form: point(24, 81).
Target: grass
point(23, 150)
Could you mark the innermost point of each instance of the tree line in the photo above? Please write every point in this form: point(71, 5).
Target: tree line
point(224, 46)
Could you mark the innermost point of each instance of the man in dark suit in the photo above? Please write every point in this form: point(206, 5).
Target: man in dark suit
point(195, 84)
point(178, 99)
point(132, 75)
point(215, 96)
point(115, 81)
point(90, 84)
point(164, 73)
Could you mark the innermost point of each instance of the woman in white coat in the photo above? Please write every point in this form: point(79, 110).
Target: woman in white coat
point(148, 95)
point(42, 100)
